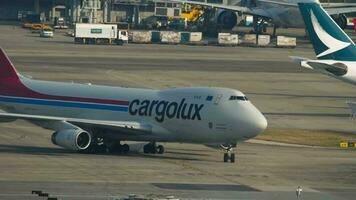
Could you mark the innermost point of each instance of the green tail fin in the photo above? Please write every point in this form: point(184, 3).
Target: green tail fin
point(329, 40)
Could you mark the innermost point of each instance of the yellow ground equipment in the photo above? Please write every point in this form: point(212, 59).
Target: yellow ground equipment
point(191, 14)
point(348, 144)
point(36, 28)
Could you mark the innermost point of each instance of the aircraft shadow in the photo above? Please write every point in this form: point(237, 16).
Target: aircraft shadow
point(186, 153)
point(208, 187)
point(57, 42)
point(33, 150)
point(49, 151)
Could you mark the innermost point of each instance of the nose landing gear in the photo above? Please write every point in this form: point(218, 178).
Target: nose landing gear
point(229, 154)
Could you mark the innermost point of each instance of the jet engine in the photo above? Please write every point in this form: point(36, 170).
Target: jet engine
point(73, 139)
point(226, 19)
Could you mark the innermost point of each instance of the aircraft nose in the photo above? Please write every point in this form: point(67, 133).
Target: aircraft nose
point(256, 123)
point(260, 124)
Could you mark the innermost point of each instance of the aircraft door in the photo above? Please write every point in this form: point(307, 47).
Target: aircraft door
point(217, 99)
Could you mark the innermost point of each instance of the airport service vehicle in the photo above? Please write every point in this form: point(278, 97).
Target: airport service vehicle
point(281, 13)
point(93, 118)
point(46, 33)
point(59, 23)
point(99, 34)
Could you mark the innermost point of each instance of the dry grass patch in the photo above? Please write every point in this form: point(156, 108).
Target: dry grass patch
point(306, 137)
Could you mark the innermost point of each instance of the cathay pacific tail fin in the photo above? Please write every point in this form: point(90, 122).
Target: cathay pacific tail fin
point(329, 40)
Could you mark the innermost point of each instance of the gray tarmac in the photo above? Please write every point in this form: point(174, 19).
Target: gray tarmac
point(289, 96)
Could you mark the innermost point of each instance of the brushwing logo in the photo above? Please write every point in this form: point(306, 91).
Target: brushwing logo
point(329, 41)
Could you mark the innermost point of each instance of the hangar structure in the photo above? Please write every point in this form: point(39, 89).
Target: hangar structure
point(90, 11)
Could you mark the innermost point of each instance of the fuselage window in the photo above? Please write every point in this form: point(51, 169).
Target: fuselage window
point(238, 98)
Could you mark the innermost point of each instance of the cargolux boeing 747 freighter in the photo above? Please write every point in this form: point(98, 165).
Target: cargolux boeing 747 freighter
point(90, 118)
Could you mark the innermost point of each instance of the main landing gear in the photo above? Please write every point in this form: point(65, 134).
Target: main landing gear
point(118, 148)
point(99, 146)
point(229, 153)
point(153, 148)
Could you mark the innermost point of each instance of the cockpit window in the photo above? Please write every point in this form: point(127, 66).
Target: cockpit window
point(238, 98)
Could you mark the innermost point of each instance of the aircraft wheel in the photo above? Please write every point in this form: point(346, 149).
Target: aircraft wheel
point(125, 148)
point(116, 148)
point(232, 158)
point(100, 149)
point(160, 149)
point(226, 157)
point(147, 148)
point(94, 149)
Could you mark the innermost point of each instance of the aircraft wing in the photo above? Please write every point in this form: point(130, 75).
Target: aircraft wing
point(127, 127)
point(339, 9)
point(245, 10)
point(331, 8)
point(336, 69)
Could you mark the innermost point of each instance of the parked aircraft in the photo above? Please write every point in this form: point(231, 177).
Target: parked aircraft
point(281, 13)
point(93, 118)
point(334, 49)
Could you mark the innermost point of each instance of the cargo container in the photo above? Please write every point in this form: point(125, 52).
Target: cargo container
point(190, 37)
point(196, 37)
point(155, 37)
point(263, 40)
point(283, 41)
point(228, 39)
point(141, 36)
point(99, 34)
point(170, 37)
point(184, 37)
point(250, 39)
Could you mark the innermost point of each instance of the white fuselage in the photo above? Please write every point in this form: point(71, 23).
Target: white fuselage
point(349, 66)
point(196, 115)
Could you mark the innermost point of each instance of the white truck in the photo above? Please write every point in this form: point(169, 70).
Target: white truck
point(99, 34)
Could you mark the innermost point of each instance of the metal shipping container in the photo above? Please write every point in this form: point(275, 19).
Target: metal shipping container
point(228, 39)
point(155, 36)
point(283, 41)
point(250, 39)
point(263, 40)
point(184, 37)
point(170, 37)
point(196, 36)
point(141, 36)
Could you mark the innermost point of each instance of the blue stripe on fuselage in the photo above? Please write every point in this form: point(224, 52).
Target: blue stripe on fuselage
point(59, 103)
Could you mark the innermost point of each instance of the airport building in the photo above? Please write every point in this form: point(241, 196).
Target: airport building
point(87, 11)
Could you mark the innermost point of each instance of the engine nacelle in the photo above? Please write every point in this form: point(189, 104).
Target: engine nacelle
point(73, 139)
point(226, 19)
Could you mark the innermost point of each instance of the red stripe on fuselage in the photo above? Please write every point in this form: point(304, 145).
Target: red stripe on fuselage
point(12, 86)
